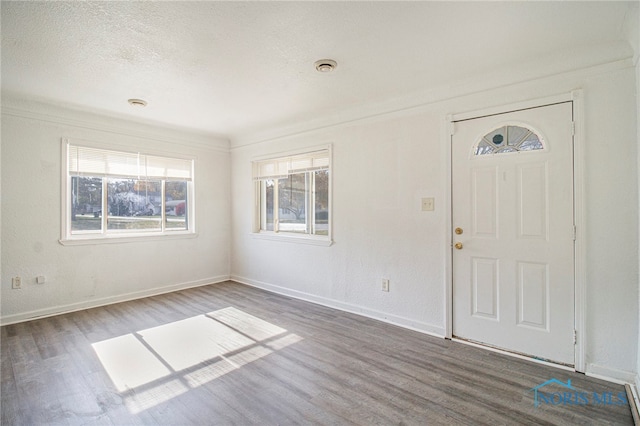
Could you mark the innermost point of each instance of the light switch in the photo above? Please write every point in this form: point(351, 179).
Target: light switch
point(428, 204)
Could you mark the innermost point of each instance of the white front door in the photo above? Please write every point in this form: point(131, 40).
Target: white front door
point(513, 231)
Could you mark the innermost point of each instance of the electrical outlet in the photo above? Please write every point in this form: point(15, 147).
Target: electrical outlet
point(385, 284)
point(40, 279)
point(16, 282)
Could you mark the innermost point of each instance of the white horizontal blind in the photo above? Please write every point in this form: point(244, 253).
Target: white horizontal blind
point(88, 161)
point(165, 167)
point(277, 168)
point(85, 161)
point(271, 169)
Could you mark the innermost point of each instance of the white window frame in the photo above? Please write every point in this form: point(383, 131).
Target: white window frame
point(110, 236)
point(278, 234)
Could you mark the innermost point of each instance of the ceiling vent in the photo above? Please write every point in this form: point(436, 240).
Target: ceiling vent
point(325, 65)
point(137, 103)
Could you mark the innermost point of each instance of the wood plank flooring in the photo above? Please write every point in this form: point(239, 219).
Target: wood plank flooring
point(231, 354)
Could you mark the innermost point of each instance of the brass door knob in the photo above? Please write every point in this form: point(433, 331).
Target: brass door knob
point(458, 246)
point(458, 231)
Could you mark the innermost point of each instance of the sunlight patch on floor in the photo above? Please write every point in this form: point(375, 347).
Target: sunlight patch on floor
point(152, 366)
point(128, 362)
point(186, 343)
point(250, 326)
point(233, 362)
point(141, 400)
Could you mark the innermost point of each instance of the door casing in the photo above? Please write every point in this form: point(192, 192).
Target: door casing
point(448, 123)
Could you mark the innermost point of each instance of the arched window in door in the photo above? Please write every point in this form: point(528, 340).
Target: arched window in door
point(508, 139)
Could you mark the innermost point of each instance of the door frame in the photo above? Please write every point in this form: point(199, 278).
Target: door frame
point(448, 126)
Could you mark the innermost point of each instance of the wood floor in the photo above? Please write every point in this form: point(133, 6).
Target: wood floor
point(232, 354)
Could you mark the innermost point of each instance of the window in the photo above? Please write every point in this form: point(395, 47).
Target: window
point(508, 139)
point(293, 197)
point(114, 194)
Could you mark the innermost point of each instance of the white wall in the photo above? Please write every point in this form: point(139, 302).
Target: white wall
point(632, 30)
point(384, 165)
point(637, 59)
point(88, 275)
point(376, 224)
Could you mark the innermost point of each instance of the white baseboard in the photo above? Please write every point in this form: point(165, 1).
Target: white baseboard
point(94, 303)
point(634, 399)
point(593, 370)
point(346, 307)
point(620, 377)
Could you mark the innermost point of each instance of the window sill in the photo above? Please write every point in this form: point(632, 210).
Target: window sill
point(293, 238)
point(123, 238)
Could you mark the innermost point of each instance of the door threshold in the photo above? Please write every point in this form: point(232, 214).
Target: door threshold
point(485, 346)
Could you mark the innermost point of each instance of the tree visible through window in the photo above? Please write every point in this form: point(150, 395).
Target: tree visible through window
point(294, 194)
point(112, 192)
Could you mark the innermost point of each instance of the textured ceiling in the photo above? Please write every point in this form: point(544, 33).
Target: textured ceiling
point(237, 68)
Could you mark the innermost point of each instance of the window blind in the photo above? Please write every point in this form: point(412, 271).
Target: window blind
point(88, 161)
point(277, 168)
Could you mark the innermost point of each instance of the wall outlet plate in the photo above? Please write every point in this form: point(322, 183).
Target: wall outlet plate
point(385, 284)
point(16, 283)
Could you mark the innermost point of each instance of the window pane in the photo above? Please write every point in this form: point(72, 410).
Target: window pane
point(294, 199)
point(518, 139)
point(496, 138)
point(86, 204)
point(266, 205)
point(531, 143)
point(484, 148)
point(292, 203)
point(134, 205)
point(321, 201)
point(516, 134)
point(176, 205)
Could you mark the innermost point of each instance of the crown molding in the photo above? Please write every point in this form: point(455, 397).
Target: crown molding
point(14, 104)
point(596, 60)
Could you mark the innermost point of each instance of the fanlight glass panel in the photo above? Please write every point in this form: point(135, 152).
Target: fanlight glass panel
point(508, 139)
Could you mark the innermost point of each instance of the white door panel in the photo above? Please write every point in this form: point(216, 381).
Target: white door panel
point(513, 277)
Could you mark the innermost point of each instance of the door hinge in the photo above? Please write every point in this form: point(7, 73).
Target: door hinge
point(573, 128)
point(575, 336)
point(575, 232)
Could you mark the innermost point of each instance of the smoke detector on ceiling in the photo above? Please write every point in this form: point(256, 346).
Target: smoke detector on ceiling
point(137, 103)
point(325, 65)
